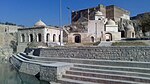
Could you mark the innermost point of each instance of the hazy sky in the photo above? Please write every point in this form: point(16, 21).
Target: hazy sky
point(27, 12)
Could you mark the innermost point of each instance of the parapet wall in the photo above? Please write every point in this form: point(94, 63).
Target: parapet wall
point(102, 53)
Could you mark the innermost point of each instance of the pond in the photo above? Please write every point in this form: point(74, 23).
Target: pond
point(9, 75)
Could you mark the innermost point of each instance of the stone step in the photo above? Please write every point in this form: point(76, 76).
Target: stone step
point(128, 73)
point(30, 61)
point(99, 80)
point(70, 81)
point(95, 62)
point(110, 76)
point(33, 60)
point(117, 68)
point(25, 55)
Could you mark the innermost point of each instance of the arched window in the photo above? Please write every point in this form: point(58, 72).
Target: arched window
point(47, 37)
point(92, 39)
point(39, 38)
point(22, 38)
point(54, 38)
point(59, 38)
point(31, 38)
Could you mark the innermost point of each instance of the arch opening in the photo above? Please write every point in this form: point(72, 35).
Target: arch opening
point(78, 39)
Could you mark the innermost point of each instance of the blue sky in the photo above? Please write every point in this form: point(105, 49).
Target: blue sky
point(27, 12)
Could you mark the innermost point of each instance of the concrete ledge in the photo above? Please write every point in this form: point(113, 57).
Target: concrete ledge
point(54, 71)
point(30, 68)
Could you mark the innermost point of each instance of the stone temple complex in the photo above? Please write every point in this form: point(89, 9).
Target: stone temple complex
point(83, 64)
point(100, 23)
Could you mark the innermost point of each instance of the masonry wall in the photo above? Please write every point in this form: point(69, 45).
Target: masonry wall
point(105, 53)
point(88, 13)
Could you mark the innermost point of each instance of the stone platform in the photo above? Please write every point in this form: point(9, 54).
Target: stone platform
point(79, 70)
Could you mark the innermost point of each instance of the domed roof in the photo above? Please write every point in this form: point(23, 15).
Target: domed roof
point(130, 27)
point(40, 24)
point(111, 22)
point(98, 13)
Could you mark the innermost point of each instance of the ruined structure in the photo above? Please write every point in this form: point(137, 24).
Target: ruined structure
point(8, 39)
point(111, 12)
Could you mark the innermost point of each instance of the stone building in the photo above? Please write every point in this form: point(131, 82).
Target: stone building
point(8, 34)
point(111, 12)
point(99, 29)
point(99, 23)
point(8, 39)
point(40, 35)
point(116, 13)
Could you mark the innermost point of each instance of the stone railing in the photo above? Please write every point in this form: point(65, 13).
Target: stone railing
point(102, 53)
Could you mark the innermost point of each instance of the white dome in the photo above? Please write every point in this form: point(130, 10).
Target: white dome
point(130, 27)
point(111, 22)
point(40, 24)
point(99, 13)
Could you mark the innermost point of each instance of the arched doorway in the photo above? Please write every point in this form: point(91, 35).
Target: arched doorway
point(133, 35)
point(22, 38)
point(39, 38)
point(92, 39)
point(59, 38)
point(54, 38)
point(122, 34)
point(77, 38)
point(47, 37)
point(108, 36)
point(31, 38)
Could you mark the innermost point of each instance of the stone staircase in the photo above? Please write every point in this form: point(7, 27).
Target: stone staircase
point(104, 76)
point(92, 71)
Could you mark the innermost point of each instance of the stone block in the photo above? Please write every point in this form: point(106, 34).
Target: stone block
point(54, 71)
point(30, 68)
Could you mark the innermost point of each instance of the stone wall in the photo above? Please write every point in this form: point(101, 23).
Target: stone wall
point(105, 53)
point(8, 33)
point(88, 13)
point(6, 52)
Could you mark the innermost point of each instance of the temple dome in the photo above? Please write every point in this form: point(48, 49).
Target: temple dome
point(40, 24)
point(98, 13)
point(111, 22)
point(130, 27)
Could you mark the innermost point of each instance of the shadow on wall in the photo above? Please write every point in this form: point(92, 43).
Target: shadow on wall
point(33, 51)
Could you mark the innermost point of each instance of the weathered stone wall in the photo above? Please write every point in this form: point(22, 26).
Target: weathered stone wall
point(5, 52)
point(29, 68)
point(88, 13)
point(105, 53)
point(7, 34)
